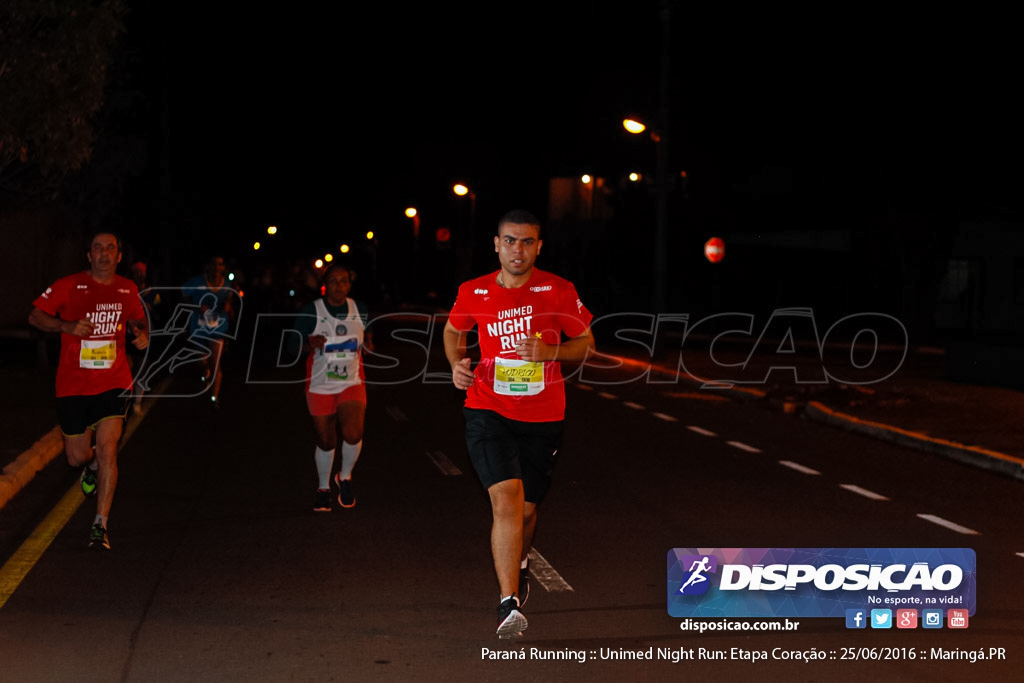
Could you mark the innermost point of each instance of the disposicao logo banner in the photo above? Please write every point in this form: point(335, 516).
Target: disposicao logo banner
point(817, 582)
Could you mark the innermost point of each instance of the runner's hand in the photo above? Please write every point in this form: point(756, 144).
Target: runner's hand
point(140, 334)
point(462, 374)
point(81, 328)
point(533, 349)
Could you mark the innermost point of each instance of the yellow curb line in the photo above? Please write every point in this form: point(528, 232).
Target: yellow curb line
point(17, 567)
point(19, 473)
point(917, 436)
point(26, 556)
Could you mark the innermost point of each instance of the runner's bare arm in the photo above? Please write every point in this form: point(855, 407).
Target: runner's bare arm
point(455, 351)
point(42, 320)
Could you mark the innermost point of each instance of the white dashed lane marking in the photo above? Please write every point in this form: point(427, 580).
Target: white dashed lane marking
point(853, 488)
point(798, 467)
point(863, 492)
point(785, 463)
point(546, 575)
point(949, 525)
point(441, 462)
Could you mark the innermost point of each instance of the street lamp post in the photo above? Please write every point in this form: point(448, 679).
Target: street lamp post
point(659, 134)
point(659, 137)
point(467, 255)
point(461, 190)
point(412, 213)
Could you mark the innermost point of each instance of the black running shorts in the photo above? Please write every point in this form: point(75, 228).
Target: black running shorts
point(75, 414)
point(503, 449)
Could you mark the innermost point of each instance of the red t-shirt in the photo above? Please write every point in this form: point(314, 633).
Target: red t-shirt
point(97, 363)
point(546, 305)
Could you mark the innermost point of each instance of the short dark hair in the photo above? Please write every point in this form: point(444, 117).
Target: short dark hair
point(95, 233)
point(339, 266)
point(519, 217)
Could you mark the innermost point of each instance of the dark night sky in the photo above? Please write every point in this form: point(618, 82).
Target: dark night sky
point(347, 116)
point(391, 106)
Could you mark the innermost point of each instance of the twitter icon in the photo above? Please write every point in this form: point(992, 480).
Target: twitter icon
point(881, 618)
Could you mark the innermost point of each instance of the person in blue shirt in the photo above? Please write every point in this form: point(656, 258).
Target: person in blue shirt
point(212, 323)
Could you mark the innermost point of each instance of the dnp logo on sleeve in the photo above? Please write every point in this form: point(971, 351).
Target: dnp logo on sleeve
point(819, 582)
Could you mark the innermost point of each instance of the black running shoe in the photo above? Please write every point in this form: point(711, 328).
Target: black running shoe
point(88, 481)
point(98, 538)
point(346, 498)
point(323, 501)
point(524, 585)
point(511, 621)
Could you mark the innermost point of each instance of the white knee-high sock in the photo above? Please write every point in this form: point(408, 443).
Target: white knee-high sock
point(324, 464)
point(349, 455)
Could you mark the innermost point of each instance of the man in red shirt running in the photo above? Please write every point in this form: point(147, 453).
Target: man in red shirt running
point(527, 321)
point(93, 310)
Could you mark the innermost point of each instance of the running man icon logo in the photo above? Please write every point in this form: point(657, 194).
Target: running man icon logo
point(696, 583)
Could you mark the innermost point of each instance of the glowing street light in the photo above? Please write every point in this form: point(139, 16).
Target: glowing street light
point(636, 127)
point(369, 234)
point(328, 257)
point(319, 263)
point(344, 249)
point(256, 246)
point(462, 191)
point(272, 230)
point(633, 126)
point(586, 179)
point(412, 213)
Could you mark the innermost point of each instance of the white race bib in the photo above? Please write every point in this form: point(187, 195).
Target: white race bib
point(340, 354)
point(97, 354)
point(518, 377)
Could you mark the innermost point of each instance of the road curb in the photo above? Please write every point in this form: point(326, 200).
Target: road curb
point(20, 472)
point(971, 455)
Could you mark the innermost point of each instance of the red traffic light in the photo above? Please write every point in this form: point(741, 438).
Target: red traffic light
point(714, 249)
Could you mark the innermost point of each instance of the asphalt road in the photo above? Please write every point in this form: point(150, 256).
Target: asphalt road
point(220, 570)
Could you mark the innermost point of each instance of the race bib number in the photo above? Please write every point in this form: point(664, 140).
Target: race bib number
point(340, 354)
point(97, 355)
point(518, 377)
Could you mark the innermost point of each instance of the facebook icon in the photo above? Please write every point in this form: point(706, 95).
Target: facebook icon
point(856, 618)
